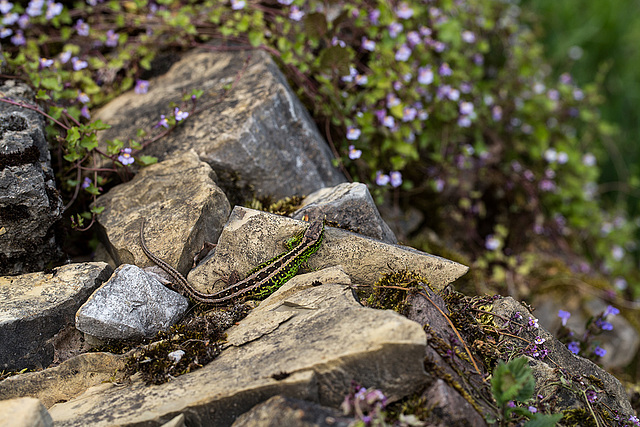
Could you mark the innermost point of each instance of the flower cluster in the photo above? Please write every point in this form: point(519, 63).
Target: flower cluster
point(365, 405)
point(585, 343)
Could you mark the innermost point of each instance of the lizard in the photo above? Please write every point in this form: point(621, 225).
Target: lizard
point(262, 280)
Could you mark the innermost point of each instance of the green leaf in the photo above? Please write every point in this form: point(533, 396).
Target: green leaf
point(315, 25)
point(336, 58)
point(43, 95)
point(92, 189)
point(256, 38)
point(73, 135)
point(89, 141)
point(543, 420)
point(51, 83)
point(147, 160)
point(97, 209)
point(512, 381)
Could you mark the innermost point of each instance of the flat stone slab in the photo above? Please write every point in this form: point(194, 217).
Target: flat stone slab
point(320, 340)
point(36, 306)
point(252, 237)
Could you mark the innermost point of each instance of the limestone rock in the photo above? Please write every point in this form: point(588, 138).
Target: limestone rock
point(24, 412)
point(131, 304)
point(182, 207)
point(312, 354)
point(30, 204)
point(449, 408)
point(258, 134)
point(350, 205)
point(65, 381)
point(252, 237)
point(286, 411)
point(34, 307)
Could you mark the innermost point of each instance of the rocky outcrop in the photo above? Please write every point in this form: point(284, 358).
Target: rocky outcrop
point(30, 205)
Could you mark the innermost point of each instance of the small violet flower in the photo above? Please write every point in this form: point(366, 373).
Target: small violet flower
point(425, 75)
point(10, 19)
point(237, 4)
point(295, 14)
point(374, 15)
point(164, 122)
point(18, 39)
point(142, 86)
point(403, 53)
point(395, 178)
point(564, 315)
point(367, 44)
point(65, 56)
point(45, 63)
point(389, 121)
point(574, 347)
point(611, 310)
point(468, 36)
point(285, 2)
point(539, 340)
point(392, 100)
point(179, 114)
point(353, 153)
point(353, 133)
point(408, 114)
point(86, 183)
point(533, 409)
point(125, 157)
point(78, 64)
point(533, 322)
point(404, 11)
point(5, 32)
point(112, 39)
point(395, 28)
point(445, 69)
point(492, 243)
point(35, 7)
point(382, 179)
point(83, 97)
point(466, 108)
point(53, 10)
point(599, 351)
point(82, 28)
point(5, 6)
point(84, 112)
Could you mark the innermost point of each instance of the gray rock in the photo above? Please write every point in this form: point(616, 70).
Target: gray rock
point(351, 206)
point(252, 237)
point(182, 207)
point(34, 307)
point(575, 368)
point(312, 352)
point(281, 411)
point(449, 408)
point(258, 137)
point(65, 381)
point(131, 304)
point(24, 412)
point(30, 204)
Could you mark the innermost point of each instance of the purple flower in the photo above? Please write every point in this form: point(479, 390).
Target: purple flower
point(395, 28)
point(403, 53)
point(413, 38)
point(404, 11)
point(35, 7)
point(564, 315)
point(496, 112)
point(367, 44)
point(353, 153)
point(533, 409)
point(574, 347)
point(604, 325)
point(539, 340)
point(179, 114)
point(237, 4)
point(285, 2)
point(85, 112)
point(335, 41)
point(466, 108)
point(395, 178)
point(5, 32)
point(464, 122)
point(361, 80)
point(389, 121)
point(78, 64)
point(445, 70)
point(425, 75)
point(83, 97)
point(611, 310)
point(492, 243)
point(511, 404)
point(592, 396)
point(53, 10)
point(408, 114)
point(547, 185)
point(112, 38)
point(589, 160)
point(392, 100)
point(82, 28)
point(533, 322)
point(65, 56)
point(10, 19)
point(599, 351)
point(295, 13)
point(562, 158)
point(5, 6)
point(352, 73)
point(142, 86)
point(86, 183)
point(468, 36)
point(382, 179)
point(18, 39)
point(45, 63)
point(353, 133)
point(164, 122)
point(374, 15)
point(125, 157)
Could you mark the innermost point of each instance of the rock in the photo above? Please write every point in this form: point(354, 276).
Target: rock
point(449, 408)
point(34, 307)
point(579, 372)
point(30, 205)
point(351, 206)
point(131, 304)
point(257, 136)
point(65, 381)
point(24, 412)
point(281, 411)
point(182, 207)
point(312, 352)
point(582, 307)
point(251, 237)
